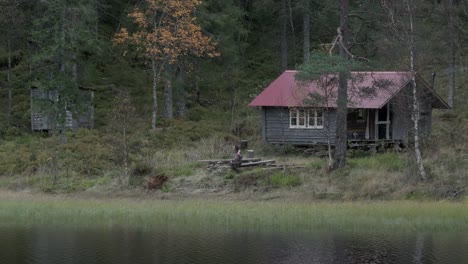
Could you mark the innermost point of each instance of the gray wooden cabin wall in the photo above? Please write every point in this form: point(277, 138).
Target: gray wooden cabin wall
point(275, 128)
point(401, 119)
point(402, 123)
point(42, 121)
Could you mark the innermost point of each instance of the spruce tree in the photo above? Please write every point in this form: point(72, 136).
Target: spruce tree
point(64, 34)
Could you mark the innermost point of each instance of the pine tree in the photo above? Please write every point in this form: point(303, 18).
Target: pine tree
point(341, 143)
point(12, 28)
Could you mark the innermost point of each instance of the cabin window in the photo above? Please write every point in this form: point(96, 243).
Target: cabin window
point(305, 118)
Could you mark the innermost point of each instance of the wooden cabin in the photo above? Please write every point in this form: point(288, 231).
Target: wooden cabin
point(379, 108)
point(43, 120)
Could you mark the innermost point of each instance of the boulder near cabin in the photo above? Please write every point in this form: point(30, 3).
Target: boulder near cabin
point(379, 108)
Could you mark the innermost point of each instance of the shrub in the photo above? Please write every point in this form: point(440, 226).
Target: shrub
point(141, 169)
point(86, 153)
point(196, 114)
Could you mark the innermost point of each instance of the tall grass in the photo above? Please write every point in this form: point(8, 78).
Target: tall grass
point(207, 148)
point(385, 161)
point(235, 215)
point(90, 161)
point(282, 179)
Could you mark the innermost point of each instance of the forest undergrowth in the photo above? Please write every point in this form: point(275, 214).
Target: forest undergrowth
point(91, 162)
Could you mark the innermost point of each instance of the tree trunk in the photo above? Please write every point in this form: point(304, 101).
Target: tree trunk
point(416, 110)
point(451, 95)
point(344, 26)
point(126, 153)
point(339, 159)
point(233, 108)
point(180, 103)
point(306, 46)
point(10, 91)
point(63, 111)
point(329, 145)
point(168, 112)
point(284, 35)
point(293, 32)
point(74, 69)
point(91, 110)
point(73, 44)
point(415, 117)
point(155, 96)
point(465, 67)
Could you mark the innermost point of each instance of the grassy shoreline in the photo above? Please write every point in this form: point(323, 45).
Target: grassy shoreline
point(219, 214)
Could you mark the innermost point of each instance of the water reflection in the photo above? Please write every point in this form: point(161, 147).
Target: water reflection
point(123, 245)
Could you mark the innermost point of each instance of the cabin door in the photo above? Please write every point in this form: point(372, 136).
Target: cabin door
point(382, 123)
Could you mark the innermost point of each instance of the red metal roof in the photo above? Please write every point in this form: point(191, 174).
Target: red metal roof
point(365, 90)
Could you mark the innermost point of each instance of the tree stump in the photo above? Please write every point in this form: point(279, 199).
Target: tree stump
point(156, 182)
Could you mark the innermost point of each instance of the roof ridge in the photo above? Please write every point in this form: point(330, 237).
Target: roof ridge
point(382, 71)
point(376, 72)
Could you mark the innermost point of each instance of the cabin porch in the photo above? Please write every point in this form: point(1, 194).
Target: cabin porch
point(376, 128)
point(371, 124)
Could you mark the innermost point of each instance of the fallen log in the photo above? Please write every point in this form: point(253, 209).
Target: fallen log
point(224, 161)
point(285, 166)
point(267, 165)
point(250, 164)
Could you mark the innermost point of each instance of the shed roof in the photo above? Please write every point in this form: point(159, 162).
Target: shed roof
point(371, 90)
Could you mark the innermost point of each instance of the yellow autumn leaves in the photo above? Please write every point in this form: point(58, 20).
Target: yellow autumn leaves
point(167, 30)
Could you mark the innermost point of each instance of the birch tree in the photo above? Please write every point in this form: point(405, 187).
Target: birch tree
point(416, 104)
point(166, 30)
point(401, 23)
point(122, 120)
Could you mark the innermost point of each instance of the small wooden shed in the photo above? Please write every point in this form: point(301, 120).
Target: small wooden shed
point(379, 108)
point(43, 120)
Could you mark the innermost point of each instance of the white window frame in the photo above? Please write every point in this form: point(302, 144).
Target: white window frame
point(310, 114)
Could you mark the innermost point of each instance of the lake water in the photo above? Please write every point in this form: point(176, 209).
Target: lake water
point(120, 245)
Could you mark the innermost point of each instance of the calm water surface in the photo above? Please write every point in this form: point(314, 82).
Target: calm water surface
point(40, 245)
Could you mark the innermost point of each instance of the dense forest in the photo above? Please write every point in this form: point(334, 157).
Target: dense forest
point(169, 72)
